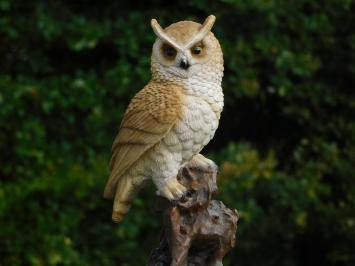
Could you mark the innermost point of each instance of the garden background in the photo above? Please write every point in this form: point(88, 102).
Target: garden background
point(285, 145)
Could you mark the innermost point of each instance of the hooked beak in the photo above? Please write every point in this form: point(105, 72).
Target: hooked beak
point(184, 64)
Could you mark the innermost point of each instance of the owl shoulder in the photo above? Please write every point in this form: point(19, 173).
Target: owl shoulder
point(162, 100)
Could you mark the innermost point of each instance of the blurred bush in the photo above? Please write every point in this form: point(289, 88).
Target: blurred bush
point(285, 146)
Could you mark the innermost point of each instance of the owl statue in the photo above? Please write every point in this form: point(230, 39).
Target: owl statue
point(172, 118)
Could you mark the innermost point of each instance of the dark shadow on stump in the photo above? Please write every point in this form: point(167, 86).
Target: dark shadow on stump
point(197, 231)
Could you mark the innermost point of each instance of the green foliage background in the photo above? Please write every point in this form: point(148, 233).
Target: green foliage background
point(285, 146)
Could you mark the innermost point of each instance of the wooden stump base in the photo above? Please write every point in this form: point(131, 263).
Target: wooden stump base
point(197, 231)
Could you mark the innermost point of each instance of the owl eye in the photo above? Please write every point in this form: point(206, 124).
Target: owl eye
point(197, 50)
point(169, 51)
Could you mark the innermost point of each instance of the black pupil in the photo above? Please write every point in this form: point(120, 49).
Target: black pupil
point(169, 51)
point(197, 50)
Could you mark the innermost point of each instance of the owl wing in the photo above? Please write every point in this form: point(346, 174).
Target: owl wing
point(148, 118)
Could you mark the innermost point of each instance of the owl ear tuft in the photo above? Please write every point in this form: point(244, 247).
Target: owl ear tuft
point(156, 27)
point(158, 30)
point(208, 24)
point(204, 30)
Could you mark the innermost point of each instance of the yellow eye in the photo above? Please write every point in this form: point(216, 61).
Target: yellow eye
point(196, 50)
point(169, 51)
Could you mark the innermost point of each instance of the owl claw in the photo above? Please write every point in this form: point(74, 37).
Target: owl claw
point(172, 190)
point(167, 194)
point(199, 161)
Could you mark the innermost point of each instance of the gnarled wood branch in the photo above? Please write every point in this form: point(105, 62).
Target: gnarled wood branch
point(197, 231)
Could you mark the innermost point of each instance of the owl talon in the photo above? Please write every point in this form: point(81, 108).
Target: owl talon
point(199, 161)
point(167, 194)
point(173, 190)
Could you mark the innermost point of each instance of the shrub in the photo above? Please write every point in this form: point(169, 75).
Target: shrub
point(285, 143)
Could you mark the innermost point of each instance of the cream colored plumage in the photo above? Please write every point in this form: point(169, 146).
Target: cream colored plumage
point(172, 118)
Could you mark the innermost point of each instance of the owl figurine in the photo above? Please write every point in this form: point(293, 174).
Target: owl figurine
point(172, 118)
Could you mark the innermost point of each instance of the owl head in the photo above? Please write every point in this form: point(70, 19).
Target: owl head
point(185, 49)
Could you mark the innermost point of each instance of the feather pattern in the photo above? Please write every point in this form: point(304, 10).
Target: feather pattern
point(170, 121)
point(149, 117)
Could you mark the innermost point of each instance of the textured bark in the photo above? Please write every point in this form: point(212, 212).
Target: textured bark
point(197, 231)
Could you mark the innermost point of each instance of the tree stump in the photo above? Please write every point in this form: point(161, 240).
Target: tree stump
point(197, 231)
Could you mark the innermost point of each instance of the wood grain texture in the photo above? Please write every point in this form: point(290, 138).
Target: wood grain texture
point(197, 231)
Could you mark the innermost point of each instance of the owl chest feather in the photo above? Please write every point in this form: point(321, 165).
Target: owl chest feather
point(198, 121)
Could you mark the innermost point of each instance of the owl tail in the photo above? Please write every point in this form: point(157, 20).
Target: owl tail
point(127, 188)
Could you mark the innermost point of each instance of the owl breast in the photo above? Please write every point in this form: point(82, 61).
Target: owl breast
point(196, 128)
point(198, 121)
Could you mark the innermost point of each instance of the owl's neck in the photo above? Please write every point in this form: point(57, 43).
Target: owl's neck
point(204, 83)
point(207, 86)
point(206, 79)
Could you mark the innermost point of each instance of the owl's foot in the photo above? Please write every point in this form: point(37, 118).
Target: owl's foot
point(171, 189)
point(201, 162)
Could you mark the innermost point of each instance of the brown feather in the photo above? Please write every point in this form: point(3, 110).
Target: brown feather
point(148, 118)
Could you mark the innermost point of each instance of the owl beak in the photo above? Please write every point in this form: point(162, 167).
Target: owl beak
point(184, 64)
